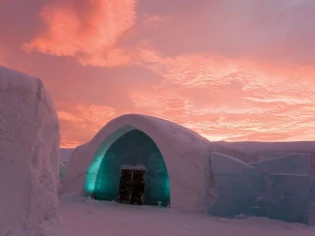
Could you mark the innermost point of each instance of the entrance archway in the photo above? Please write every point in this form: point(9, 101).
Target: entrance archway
point(133, 150)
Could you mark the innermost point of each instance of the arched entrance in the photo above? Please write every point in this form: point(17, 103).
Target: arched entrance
point(132, 170)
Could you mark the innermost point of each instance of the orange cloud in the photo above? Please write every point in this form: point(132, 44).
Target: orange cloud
point(83, 122)
point(153, 20)
point(231, 70)
point(66, 116)
point(212, 71)
point(111, 57)
point(219, 97)
point(231, 98)
point(86, 29)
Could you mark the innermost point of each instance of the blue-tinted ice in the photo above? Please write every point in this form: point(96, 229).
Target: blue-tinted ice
point(281, 188)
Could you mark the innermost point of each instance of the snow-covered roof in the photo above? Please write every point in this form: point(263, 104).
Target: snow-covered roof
point(186, 155)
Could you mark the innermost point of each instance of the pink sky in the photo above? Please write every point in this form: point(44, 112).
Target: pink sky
point(230, 70)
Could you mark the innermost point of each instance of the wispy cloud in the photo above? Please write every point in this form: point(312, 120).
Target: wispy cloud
point(85, 29)
point(233, 70)
point(153, 20)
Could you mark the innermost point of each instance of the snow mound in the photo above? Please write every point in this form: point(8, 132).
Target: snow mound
point(29, 158)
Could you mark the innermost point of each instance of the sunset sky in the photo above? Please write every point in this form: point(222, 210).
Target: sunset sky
point(229, 69)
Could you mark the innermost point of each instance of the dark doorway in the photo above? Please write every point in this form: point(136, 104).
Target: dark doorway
point(131, 188)
point(134, 150)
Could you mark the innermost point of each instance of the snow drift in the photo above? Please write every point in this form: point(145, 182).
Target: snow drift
point(29, 158)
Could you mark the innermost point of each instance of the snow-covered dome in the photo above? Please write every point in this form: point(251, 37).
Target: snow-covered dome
point(186, 155)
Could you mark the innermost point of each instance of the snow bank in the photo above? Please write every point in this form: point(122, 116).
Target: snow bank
point(29, 159)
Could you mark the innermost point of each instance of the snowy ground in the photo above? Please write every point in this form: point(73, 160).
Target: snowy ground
point(83, 218)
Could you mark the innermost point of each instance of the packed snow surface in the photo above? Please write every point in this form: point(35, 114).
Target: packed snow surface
point(89, 217)
point(29, 159)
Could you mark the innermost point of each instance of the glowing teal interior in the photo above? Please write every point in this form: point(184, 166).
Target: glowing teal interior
point(132, 149)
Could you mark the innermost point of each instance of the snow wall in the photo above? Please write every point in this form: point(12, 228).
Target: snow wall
point(177, 162)
point(62, 171)
point(281, 188)
point(29, 159)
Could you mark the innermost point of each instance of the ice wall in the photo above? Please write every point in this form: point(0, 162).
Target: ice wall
point(285, 198)
point(62, 171)
point(281, 188)
point(311, 204)
point(239, 186)
point(65, 155)
point(289, 188)
point(290, 163)
point(29, 159)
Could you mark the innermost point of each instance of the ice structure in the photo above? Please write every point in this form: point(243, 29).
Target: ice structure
point(62, 171)
point(239, 186)
point(175, 159)
point(65, 155)
point(29, 159)
point(282, 188)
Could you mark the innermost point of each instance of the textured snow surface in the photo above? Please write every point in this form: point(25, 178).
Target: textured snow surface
point(29, 158)
point(186, 155)
point(99, 219)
